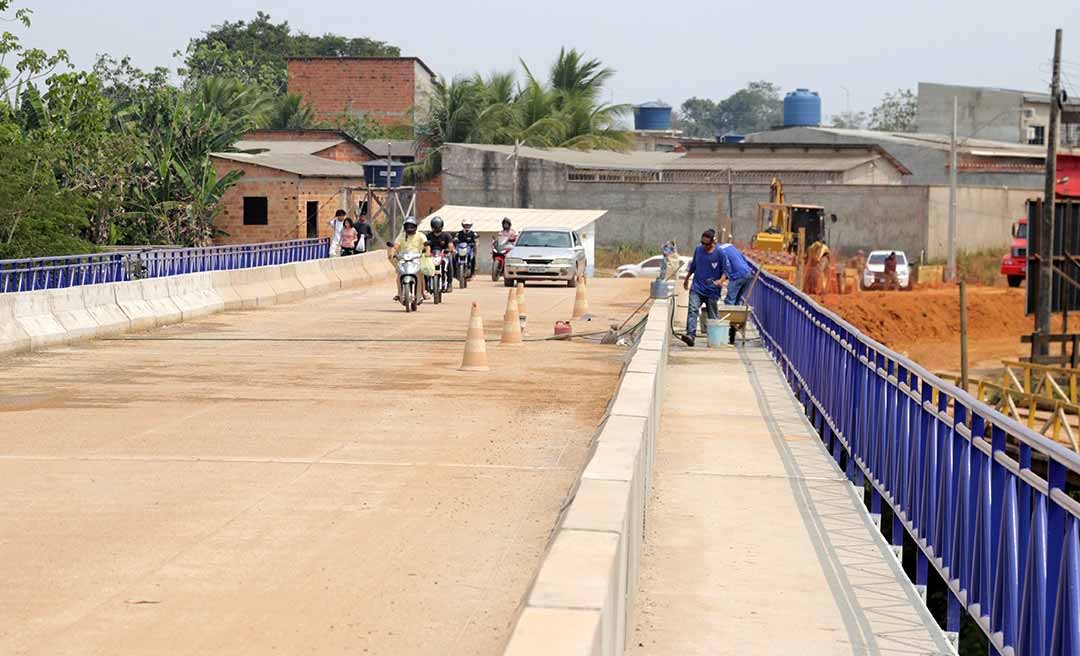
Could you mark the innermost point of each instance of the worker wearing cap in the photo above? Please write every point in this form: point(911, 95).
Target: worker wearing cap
point(706, 269)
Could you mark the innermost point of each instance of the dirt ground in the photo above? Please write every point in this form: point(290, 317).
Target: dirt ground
point(262, 482)
point(925, 324)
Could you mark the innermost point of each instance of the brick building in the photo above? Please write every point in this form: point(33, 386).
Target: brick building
point(388, 89)
point(291, 186)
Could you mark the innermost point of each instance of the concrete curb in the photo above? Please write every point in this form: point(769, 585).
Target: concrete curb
point(31, 321)
point(583, 596)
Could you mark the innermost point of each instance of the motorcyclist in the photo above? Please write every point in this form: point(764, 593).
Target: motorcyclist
point(410, 240)
point(469, 236)
point(507, 234)
point(441, 242)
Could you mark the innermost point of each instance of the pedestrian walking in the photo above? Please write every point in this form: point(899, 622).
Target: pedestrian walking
point(364, 234)
point(349, 236)
point(337, 224)
point(706, 269)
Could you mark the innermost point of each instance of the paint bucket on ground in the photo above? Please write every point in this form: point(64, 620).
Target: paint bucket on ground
point(717, 332)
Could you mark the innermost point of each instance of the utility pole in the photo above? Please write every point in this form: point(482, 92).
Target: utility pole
point(963, 337)
point(950, 269)
point(730, 202)
point(1045, 284)
point(514, 189)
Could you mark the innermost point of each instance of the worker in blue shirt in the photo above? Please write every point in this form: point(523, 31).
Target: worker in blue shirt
point(707, 269)
point(739, 274)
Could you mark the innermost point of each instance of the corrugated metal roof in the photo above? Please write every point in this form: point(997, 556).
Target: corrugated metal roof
point(288, 147)
point(302, 164)
point(660, 161)
point(489, 219)
point(398, 147)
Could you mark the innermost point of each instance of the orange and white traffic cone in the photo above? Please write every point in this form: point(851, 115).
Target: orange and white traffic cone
point(581, 303)
point(475, 358)
point(511, 332)
point(521, 306)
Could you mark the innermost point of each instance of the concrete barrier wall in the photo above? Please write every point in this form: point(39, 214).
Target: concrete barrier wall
point(583, 597)
point(39, 319)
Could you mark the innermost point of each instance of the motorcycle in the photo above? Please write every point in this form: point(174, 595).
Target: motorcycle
point(438, 283)
point(463, 262)
point(408, 270)
point(498, 258)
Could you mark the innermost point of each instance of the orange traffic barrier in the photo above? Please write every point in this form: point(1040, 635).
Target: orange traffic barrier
point(475, 358)
point(511, 332)
point(521, 305)
point(581, 303)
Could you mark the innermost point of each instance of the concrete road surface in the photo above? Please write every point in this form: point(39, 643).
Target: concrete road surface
point(269, 482)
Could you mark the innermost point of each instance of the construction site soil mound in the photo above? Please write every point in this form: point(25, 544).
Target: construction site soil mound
point(925, 324)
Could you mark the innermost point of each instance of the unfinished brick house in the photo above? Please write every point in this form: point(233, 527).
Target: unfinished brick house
point(388, 89)
point(291, 186)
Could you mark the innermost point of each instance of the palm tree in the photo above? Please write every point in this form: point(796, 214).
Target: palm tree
point(572, 76)
point(290, 112)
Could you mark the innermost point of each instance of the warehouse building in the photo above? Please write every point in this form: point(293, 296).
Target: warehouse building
point(651, 197)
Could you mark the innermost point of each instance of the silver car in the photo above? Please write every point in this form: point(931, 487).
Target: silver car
point(545, 254)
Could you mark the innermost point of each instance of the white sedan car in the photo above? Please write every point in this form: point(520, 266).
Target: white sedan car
point(873, 275)
point(649, 268)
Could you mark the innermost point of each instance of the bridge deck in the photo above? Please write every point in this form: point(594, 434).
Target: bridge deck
point(757, 543)
point(250, 485)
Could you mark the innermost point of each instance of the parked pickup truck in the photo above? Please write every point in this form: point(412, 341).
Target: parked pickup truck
point(1014, 263)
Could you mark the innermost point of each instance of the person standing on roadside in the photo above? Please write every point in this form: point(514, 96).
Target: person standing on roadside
point(349, 236)
point(364, 233)
point(337, 224)
point(706, 268)
point(891, 281)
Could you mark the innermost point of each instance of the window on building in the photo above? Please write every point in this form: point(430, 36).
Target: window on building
point(1036, 136)
point(255, 210)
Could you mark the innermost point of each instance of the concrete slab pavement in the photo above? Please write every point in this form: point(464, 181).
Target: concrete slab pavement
point(756, 543)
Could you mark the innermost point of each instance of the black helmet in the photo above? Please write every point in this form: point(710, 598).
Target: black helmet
point(506, 222)
point(436, 224)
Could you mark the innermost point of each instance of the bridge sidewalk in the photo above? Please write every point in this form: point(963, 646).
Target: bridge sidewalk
point(756, 542)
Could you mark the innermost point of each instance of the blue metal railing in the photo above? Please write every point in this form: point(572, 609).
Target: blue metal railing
point(983, 497)
point(72, 270)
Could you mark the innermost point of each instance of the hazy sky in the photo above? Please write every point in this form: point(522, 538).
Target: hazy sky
point(661, 50)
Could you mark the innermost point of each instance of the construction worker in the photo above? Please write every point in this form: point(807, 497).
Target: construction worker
point(739, 274)
point(891, 281)
point(706, 269)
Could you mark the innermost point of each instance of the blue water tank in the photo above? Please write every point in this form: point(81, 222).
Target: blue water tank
point(802, 107)
point(375, 172)
point(652, 116)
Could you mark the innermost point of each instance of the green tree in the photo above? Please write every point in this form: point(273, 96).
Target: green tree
point(697, 118)
point(38, 217)
point(256, 51)
point(754, 108)
point(30, 64)
point(850, 120)
point(290, 112)
point(896, 112)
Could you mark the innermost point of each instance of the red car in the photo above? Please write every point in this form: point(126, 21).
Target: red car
point(1014, 264)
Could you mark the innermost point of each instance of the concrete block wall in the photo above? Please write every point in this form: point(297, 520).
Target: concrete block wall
point(646, 215)
point(384, 88)
point(32, 321)
point(581, 601)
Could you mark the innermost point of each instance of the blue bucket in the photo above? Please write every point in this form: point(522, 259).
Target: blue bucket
point(717, 331)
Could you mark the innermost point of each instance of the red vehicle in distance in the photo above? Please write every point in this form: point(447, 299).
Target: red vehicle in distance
point(1014, 263)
